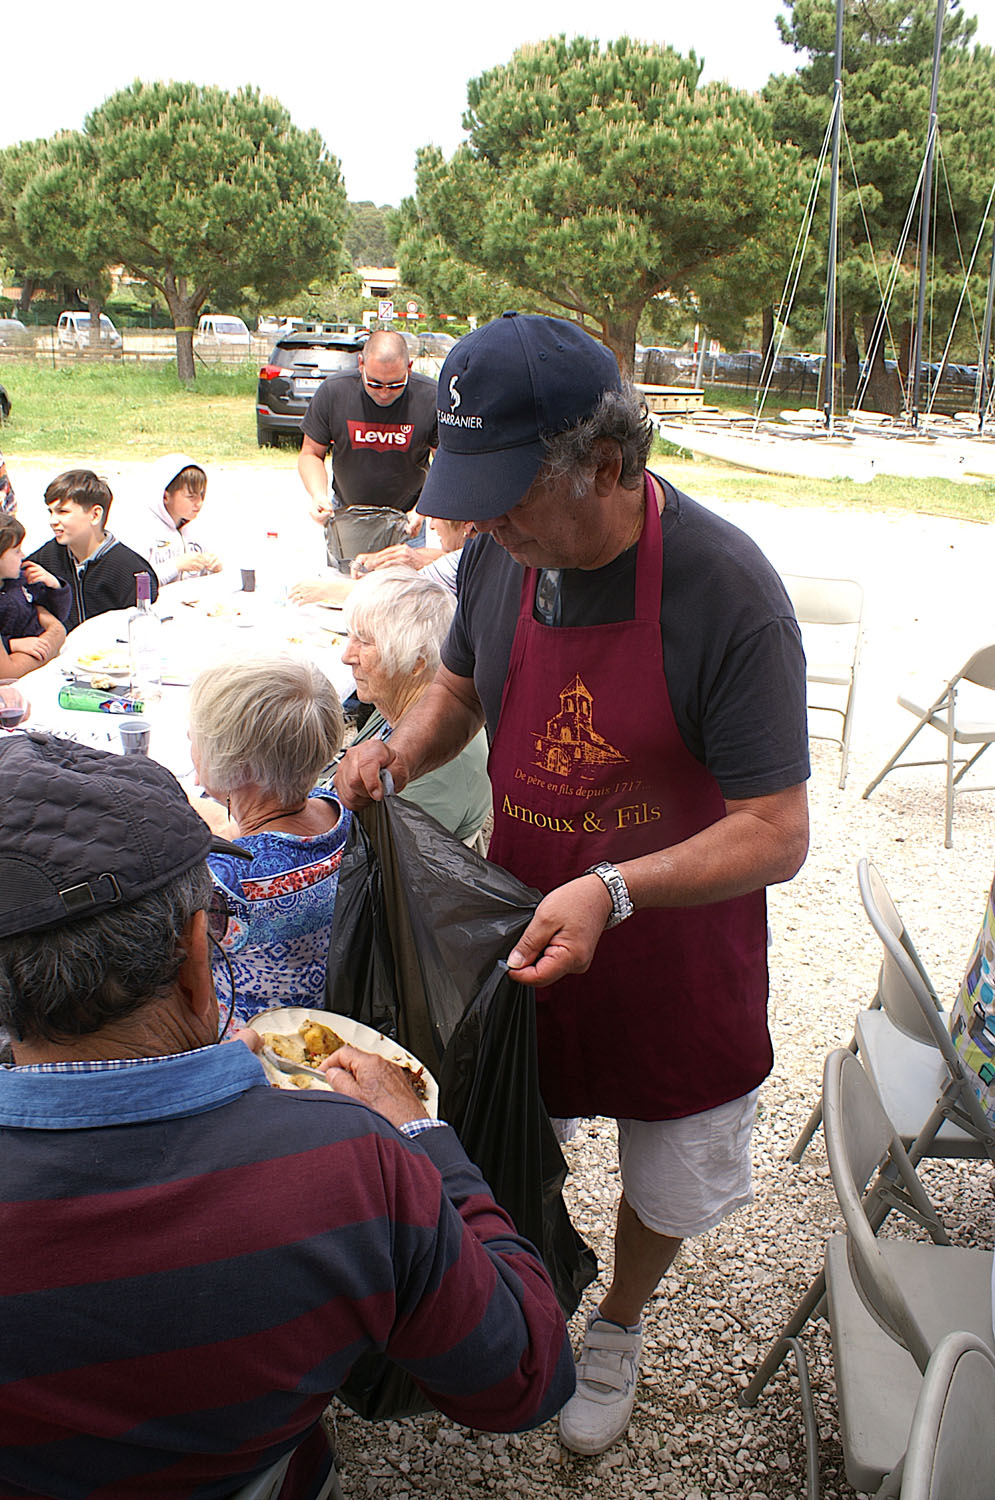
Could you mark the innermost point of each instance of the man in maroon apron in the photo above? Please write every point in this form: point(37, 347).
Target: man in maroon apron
point(640, 671)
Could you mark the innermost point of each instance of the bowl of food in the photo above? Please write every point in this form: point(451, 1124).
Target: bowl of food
point(306, 1037)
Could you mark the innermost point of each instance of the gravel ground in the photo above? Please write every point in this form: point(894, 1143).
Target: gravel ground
point(927, 584)
point(731, 1290)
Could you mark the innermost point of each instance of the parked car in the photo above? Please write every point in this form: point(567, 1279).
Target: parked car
point(73, 331)
point(13, 332)
point(222, 330)
point(438, 344)
point(296, 367)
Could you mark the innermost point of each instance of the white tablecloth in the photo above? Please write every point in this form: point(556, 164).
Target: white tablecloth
point(191, 640)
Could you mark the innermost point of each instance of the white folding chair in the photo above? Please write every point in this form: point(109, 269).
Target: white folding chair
point(951, 1452)
point(907, 1049)
point(964, 714)
point(884, 916)
point(890, 1301)
point(831, 614)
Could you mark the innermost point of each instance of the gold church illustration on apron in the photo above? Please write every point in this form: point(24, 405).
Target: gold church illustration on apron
point(571, 746)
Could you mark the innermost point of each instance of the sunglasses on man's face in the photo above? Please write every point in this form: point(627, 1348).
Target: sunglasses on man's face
point(385, 385)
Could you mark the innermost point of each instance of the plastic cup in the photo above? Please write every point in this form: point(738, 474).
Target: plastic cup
point(135, 736)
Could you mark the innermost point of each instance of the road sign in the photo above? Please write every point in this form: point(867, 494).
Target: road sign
point(385, 310)
point(412, 307)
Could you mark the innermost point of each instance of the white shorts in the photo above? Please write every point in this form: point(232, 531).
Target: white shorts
point(681, 1177)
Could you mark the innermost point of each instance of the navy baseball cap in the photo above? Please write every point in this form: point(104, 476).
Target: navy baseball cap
point(503, 388)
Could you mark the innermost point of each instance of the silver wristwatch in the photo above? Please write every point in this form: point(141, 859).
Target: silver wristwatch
point(622, 906)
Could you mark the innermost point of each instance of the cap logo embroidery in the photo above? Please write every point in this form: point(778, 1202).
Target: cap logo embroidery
point(455, 399)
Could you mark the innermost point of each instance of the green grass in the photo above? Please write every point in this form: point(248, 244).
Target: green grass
point(88, 413)
point(119, 410)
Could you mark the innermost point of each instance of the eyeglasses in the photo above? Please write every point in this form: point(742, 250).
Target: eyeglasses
point(385, 385)
point(218, 913)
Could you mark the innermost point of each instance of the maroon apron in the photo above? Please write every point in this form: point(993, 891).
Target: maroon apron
point(587, 764)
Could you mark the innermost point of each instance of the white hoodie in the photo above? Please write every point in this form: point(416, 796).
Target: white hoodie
point(166, 542)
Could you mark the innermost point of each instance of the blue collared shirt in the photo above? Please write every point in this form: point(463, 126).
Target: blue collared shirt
point(123, 1091)
point(81, 1095)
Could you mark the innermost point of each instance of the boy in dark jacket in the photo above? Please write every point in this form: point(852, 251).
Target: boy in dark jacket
point(99, 569)
point(23, 586)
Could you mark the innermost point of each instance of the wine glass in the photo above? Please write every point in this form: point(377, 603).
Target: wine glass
point(13, 705)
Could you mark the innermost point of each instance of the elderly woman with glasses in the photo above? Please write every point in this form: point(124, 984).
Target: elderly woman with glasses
point(396, 621)
point(261, 732)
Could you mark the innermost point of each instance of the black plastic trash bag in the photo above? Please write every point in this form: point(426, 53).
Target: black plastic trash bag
point(421, 928)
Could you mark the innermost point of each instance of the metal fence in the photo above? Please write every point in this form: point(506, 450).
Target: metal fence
point(137, 345)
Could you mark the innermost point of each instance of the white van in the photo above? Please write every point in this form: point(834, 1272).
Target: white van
point(73, 331)
point(223, 329)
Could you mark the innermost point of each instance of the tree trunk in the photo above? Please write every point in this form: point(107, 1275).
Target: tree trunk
point(184, 309)
point(884, 389)
point(619, 335)
point(29, 286)
point(95, 307)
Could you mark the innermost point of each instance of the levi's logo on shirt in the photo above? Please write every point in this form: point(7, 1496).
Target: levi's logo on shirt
point(380, 437)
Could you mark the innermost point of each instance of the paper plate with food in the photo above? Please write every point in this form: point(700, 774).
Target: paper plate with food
point(102, 668)
point(306, 1037)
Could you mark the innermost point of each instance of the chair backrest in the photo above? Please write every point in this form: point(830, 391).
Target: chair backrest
point(981, 668)
point(825, 601)
point(904, 987)
point(951, 1450)
point(859, 1139)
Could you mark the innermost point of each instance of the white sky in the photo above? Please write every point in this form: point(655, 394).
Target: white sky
point(377, 80)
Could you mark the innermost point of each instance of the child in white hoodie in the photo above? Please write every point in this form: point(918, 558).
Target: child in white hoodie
point(180, 488)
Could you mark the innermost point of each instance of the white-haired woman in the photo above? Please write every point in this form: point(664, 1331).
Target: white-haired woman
point(396, 622)
point(261, 732)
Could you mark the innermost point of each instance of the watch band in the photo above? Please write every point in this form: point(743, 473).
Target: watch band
point(617, 889)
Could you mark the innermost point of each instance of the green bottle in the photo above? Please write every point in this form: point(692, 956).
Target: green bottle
point(94, 701)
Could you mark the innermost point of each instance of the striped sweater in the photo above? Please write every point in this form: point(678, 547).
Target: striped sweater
point(186, 1283)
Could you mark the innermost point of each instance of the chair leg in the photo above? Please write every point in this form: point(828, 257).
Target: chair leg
point(808, 1131)
point(815, 1118)
point(774, 1357)
point(969, 763)
point(948, 811)
point(897, 755)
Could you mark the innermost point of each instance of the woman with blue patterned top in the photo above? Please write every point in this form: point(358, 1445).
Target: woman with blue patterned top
point(261, 731)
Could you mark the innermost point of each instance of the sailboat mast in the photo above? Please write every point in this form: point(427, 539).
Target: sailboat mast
point(829, 371)
point(984, 383)
point(927, 201)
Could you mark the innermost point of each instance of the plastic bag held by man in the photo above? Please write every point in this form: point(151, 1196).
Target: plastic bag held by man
point(422, 926)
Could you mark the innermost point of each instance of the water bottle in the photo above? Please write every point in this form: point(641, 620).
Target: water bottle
point(144, 641)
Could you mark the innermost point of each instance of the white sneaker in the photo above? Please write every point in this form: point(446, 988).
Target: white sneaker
point(598, 1412)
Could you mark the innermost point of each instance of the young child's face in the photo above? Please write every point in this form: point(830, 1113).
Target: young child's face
point(184, 504)
point(11, 562)
point(73, 523)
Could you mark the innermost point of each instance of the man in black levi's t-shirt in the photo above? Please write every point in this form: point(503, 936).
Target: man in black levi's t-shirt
point(379, 422)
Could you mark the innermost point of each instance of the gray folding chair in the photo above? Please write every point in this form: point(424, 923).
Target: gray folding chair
point(831, 613)
point(886, 1194)
point(964, 714)
point(907, 1049)
point(951, 1452)
point(890, 1301)
point(884, 916)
